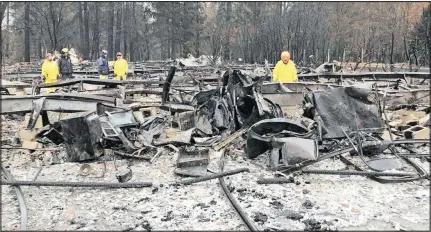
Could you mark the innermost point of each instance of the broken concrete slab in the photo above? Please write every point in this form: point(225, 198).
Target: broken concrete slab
point(417, 132)
point(396, 123)
point(408, 115)
point(31, 145)
point(37, 125)
point(425, 121)
point(28, 135)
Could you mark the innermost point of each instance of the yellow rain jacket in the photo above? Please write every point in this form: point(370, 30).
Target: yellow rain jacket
point(285, 72)
point(50, 72)
point(120, 69)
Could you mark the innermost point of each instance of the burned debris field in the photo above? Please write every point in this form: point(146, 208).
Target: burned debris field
point(193, 147)
point(220, 116)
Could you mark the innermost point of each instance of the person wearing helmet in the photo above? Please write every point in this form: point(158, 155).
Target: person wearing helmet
point(285, 70)
point(102, 64)
point(120, 67)
point(50, 71)
point(65, 65)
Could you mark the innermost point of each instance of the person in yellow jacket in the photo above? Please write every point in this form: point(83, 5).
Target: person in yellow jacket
point(50, 71)
point(285, 70)
point(120, 67)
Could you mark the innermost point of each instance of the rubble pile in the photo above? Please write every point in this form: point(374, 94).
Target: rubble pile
point(379, 128)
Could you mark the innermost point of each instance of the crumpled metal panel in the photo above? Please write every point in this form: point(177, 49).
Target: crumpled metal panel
point(213, 113)
point(338, 107)
point(297, 150)
point(246, 98)
point(119, 118)
point(237, 104)
point(82, 134)
point(182, 137)
point(261, 135)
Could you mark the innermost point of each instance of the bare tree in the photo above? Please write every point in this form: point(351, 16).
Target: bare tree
point(3, 6)
point(27, 32)
point(110, 25)
point(118, 28)
point(81, 23)
point(86, 32)
point(96, 31)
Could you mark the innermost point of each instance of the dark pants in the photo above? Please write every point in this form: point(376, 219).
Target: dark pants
point(65, 77)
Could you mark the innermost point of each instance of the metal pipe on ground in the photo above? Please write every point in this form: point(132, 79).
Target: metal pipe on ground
point(357, 173)
point(77, 184)
point(20, 197)
point(233, 201)
point(212, 176)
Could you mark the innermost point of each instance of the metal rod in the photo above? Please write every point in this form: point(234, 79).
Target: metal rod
point(233, 201)
point(358, 173)
point(279, 180)
point(78, 184)
point(35, 149)
point(212, 176)
point(20, 197)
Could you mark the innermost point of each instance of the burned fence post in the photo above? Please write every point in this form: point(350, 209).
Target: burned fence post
point(167, 85)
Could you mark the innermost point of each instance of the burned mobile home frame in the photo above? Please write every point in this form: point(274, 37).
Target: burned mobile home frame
point(199, 124)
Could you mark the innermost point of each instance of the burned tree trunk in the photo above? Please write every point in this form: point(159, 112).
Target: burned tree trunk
point(81, 30)
point(132, 21)
point(125, 28)
point(118, 29)
point(172, 40)
point(392, 52)
point(96, 37)
point(3, 6)
point(405, 49)
point(111, 30)
point(86, 32)
point(227, 39)
point(27, 32)
point(8, 32)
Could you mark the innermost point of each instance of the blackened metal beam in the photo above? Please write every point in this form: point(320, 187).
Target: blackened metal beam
point(387, 75)
point(60, 103)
